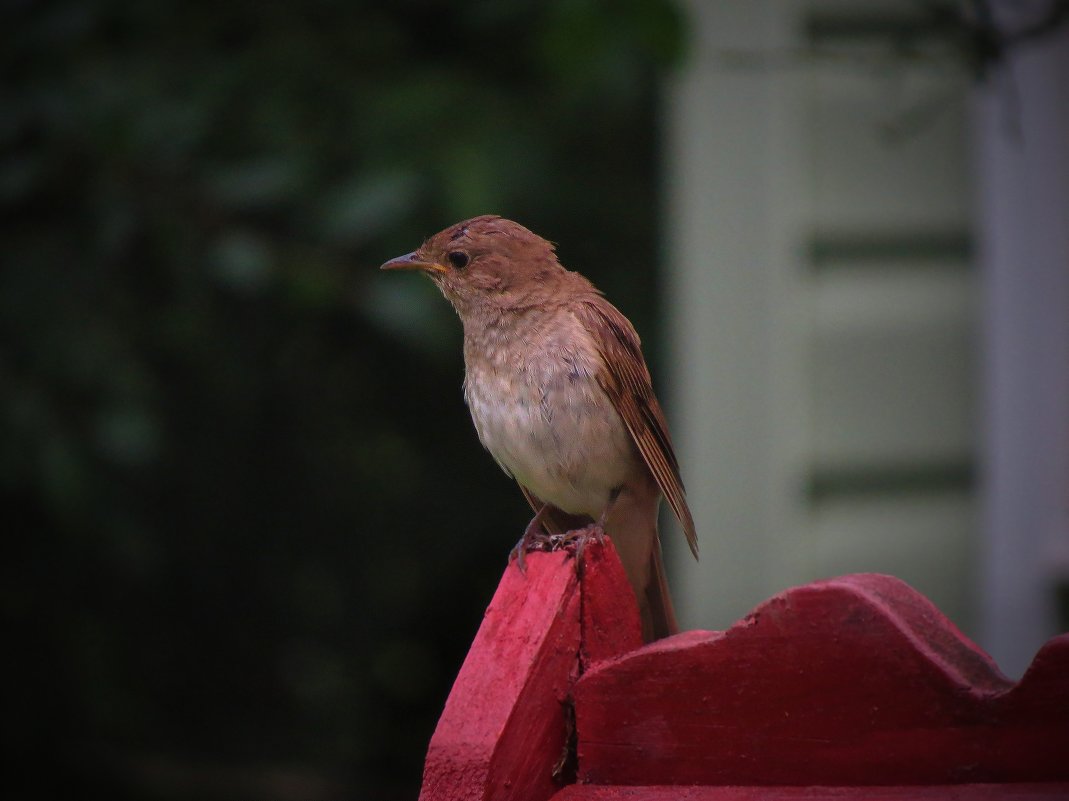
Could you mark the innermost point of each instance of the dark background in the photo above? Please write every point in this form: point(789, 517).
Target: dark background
point(251, 529)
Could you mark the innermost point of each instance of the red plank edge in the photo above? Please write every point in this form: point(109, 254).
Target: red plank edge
point(851, 688)
point(939, 792)
point(504, 732)
point(858, 680)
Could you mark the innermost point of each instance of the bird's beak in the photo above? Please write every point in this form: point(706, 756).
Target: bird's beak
point(412, 261)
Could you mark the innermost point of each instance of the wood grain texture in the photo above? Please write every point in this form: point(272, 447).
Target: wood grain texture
point(504, 727)
point(854, 681)
point(610, 622)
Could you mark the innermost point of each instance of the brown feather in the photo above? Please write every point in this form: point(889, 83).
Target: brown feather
point(658, 615)
point(626, 381)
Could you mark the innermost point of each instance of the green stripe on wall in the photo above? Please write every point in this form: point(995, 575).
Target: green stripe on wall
point(916, 249)
point(828, 484)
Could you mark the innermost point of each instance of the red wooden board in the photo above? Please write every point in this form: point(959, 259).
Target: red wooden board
point(941, 792)
point(609, 611)
point(854, 681)
point(823, 692)
point(505, 722)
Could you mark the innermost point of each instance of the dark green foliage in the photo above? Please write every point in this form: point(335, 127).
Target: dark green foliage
point(251, 528)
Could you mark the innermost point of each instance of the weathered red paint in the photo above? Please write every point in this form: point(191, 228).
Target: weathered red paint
point(609, 610)
point(939, 792)
point(854, 681)
point(503, 729)
point(853, 688)
point(502, 722)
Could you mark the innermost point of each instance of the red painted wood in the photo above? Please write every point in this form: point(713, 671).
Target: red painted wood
point(854, 681)
point(502, 724)
point(610, 621)
point(939, 792)
point(503, 729)
point(822, 692)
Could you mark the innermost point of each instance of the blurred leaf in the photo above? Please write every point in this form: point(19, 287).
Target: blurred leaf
point(238, 453)
point(243, 261)
point(128, 435)
point(255, 184)
point(410, 309)
point(18, 176)
point(362, 209)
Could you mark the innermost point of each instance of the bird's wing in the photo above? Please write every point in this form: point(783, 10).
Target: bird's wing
point(626, 380)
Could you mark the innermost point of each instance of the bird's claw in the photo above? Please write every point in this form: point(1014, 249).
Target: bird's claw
point(577, 539)
point(533, 539)
point(575, 542)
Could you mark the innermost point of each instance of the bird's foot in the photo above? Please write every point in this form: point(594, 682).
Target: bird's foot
point(534, 539)
point(575, 541)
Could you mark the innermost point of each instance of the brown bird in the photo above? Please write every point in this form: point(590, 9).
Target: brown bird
point(561, 397)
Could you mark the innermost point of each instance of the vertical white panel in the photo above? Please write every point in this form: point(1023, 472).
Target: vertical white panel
point(1023, 164)
point(782, 369)
point(720, 125)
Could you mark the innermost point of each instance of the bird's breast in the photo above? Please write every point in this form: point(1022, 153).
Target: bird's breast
point(539, 410)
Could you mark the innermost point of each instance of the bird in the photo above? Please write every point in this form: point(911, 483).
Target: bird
point(561, 397)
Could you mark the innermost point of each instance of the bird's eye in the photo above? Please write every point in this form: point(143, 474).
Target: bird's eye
point(458, 259)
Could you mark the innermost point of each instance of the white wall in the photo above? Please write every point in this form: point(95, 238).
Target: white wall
point(1022, 160)
point(854, 388)
point(823, 311)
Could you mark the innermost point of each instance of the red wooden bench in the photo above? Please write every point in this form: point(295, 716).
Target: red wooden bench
point(851, 688)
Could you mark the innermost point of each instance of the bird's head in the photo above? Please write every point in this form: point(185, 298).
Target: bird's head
point(486, 262)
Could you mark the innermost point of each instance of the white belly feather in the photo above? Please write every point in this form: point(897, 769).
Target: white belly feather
point(548, 424)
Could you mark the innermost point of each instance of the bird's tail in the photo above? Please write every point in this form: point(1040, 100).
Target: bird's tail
point(656, 610)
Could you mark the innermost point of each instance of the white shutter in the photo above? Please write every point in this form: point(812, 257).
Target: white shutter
point(823, 305)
